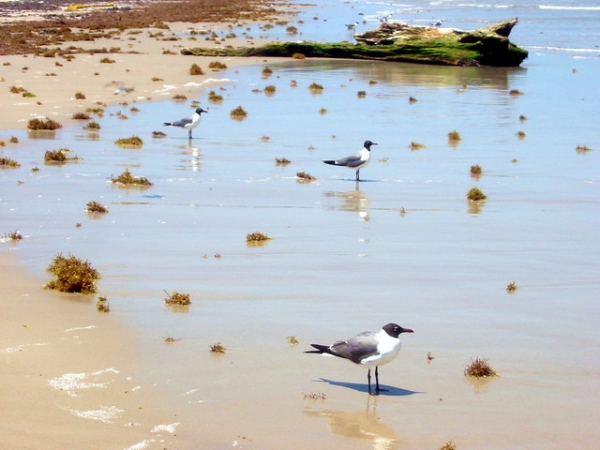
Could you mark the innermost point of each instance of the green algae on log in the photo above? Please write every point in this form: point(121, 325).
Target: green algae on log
point(400, 42)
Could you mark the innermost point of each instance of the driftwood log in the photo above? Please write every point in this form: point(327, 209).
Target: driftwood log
point(400, 42)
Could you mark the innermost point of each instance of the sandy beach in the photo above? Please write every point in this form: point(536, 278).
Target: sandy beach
point(68, 371)
point(404, 245)
point(142, 70)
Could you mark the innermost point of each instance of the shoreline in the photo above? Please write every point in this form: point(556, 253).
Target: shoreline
point(64, 362)
point(142, 76)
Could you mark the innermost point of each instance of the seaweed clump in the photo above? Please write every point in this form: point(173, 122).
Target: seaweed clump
point(41, 124)
point(130, 142)
point(129, 180)
point(59, 156)
point(238, 113)
point(72, 275)
point(217, 348)
point(102, 305)
point(479, 368)
point(13, 236)
point(179, 299)
point(303, 177)
point(7, 162)
point(96, 208)
point(476, 195)
point(257, 237)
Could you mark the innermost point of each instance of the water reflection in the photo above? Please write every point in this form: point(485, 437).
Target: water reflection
point(353, 201)
point(194, 156)
point(413, 74)
point(475, 207)
point(364, 425)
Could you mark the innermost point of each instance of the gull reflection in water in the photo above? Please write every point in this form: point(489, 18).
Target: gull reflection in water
point(194, 153)
point(353, 201)
point(362, 425)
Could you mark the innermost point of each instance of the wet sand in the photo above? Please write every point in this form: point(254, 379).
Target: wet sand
point(69, 373)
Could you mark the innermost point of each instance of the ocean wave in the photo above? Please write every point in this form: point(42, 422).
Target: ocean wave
point(570, 8)
point(473, 5)
point(564, 49)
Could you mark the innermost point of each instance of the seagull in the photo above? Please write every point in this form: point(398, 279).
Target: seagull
point(385, 19)
point(186, 123)
point(368, 348)
point(352, 26)
point(356, 161)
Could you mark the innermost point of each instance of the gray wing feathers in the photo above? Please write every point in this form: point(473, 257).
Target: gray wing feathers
point(350, 161)
point(180, 123)
point(356, 349)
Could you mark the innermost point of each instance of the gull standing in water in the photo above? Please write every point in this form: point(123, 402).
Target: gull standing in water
point(188, 123)
point(355, 161)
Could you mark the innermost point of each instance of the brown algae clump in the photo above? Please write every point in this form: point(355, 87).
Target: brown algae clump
point(96, 208)
point(217, 348)
point(102, 305)
point(41, 124)
point(303, 177)
point(177, 298)
point(454, 136)
point(129, 180)
point(414, 146)
point(59, 156)
point(195, 69)
point(257, 237)
point(238, 113)
point(7, 162)
point(476, 195)
point(130, 142)
point(72, 275)
point(479, 368)
point(476, 170)
point(282, 162)
point(316, 88)
point(13, 236)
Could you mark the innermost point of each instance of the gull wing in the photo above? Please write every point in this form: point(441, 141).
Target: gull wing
point(353, 160)
point(357, 348)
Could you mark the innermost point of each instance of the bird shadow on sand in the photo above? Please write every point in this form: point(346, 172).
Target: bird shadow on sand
point(389, 391)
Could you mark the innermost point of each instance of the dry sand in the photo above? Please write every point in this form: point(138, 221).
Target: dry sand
point(156, 71)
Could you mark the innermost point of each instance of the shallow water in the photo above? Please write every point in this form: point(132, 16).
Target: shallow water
point(404, 245)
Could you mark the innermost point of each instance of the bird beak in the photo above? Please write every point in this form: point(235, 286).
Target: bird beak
point(407, 330)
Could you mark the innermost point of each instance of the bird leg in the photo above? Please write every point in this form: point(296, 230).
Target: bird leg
point(377, 388)
point(369, 380)
point(357, 177)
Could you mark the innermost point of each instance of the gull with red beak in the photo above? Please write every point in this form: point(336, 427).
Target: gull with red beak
point(368, 349)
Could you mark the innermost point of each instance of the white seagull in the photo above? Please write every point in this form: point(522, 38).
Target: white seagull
point(368, 349)
point(355, 161)
point(352, 26)
point(385, 19)
point(188, 123)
